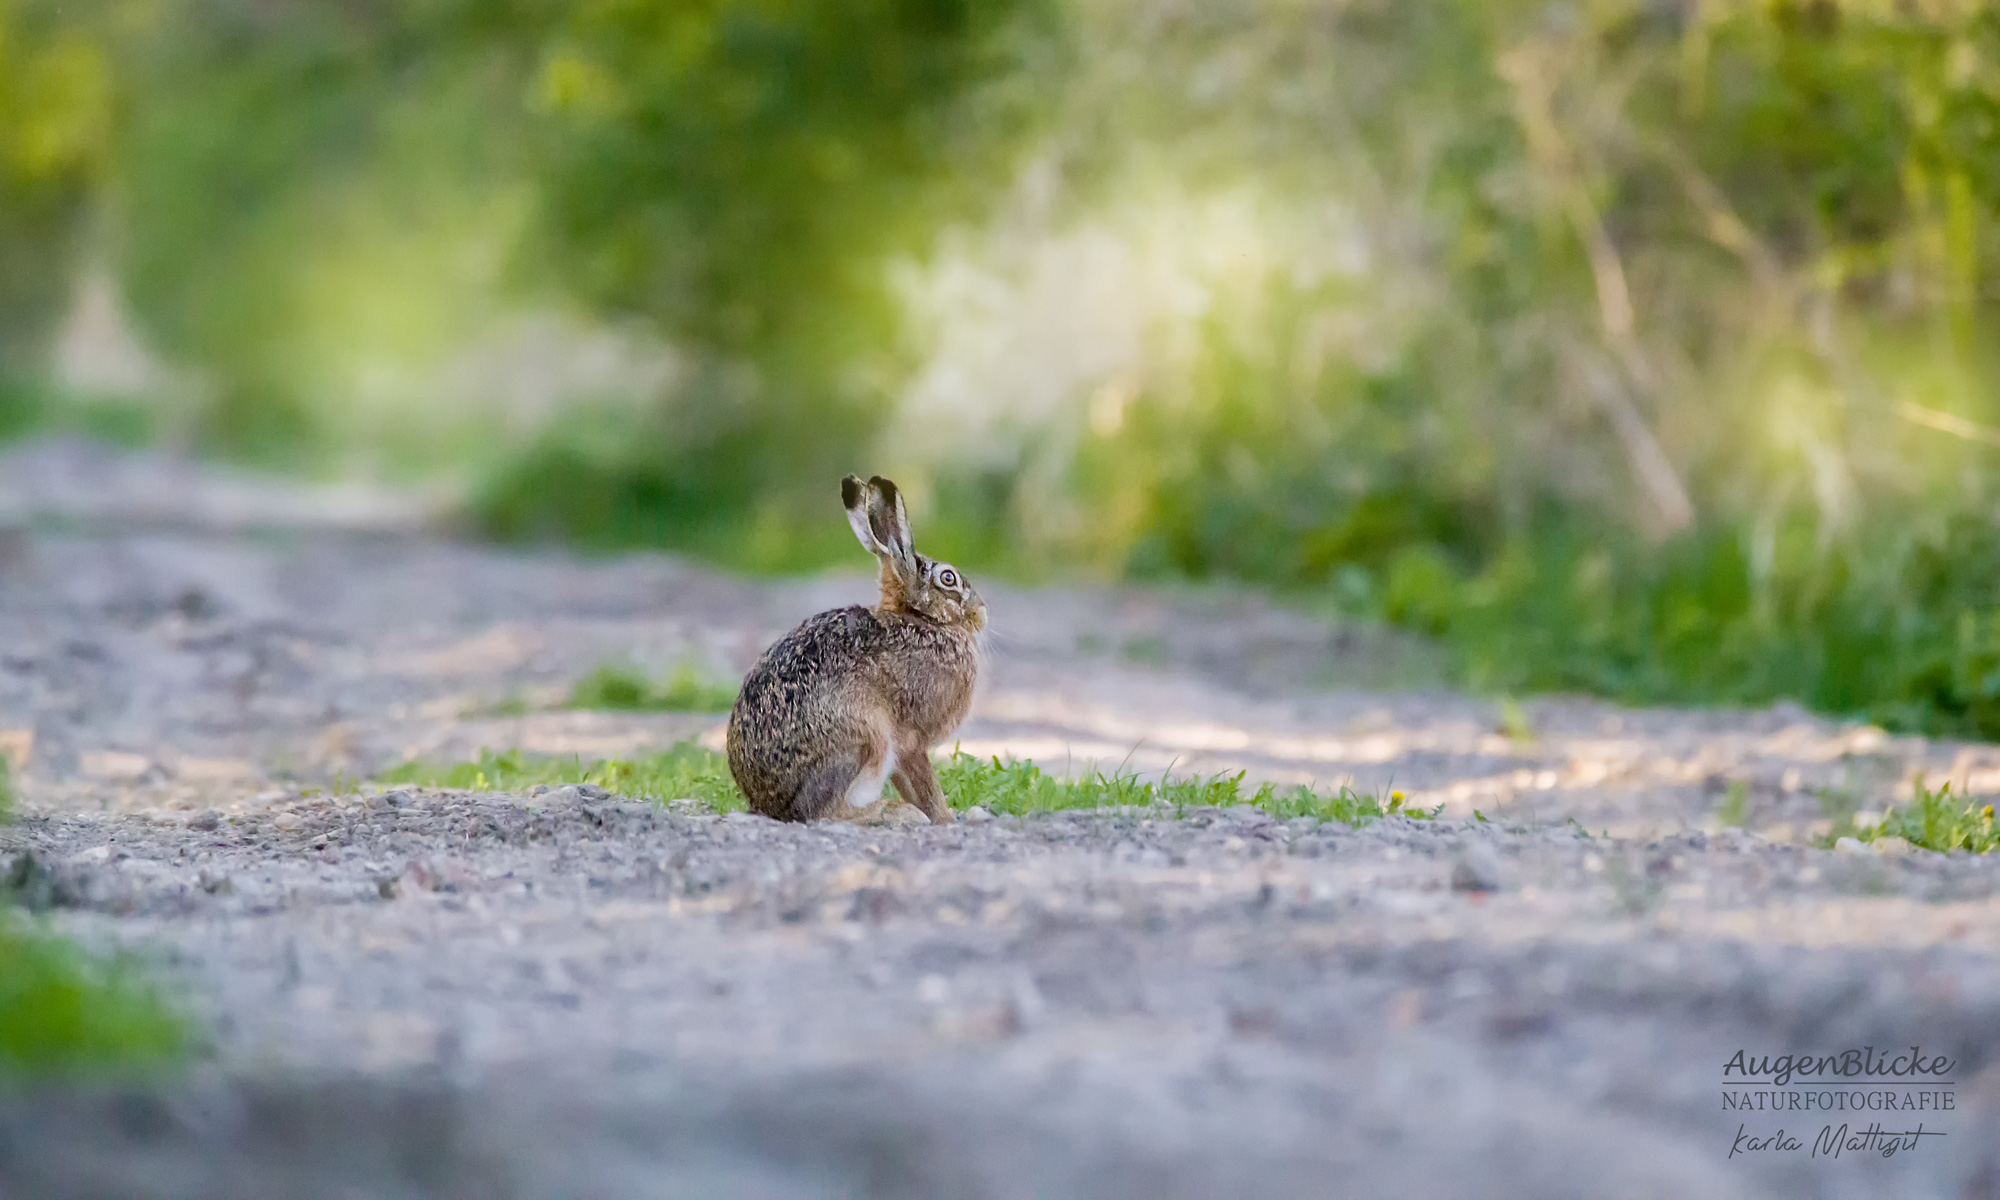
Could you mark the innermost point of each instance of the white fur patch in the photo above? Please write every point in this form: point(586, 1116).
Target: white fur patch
point(867, 786)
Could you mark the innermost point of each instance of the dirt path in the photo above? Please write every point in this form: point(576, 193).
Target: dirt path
point(442, 994)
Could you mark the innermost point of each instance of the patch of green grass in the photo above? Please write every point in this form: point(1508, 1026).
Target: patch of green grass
point(1021, 787)
point(64, 1011)
point(1933, 820)
point(30, 407)
point(1839, 804)
point(1514, 721)
point(627, 689)
point(1894, 625)
point(6, 791)
point(1735, 808)
point(688, 771)
point(512, 706)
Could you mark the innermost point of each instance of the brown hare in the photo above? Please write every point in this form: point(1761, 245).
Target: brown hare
point(858, 695)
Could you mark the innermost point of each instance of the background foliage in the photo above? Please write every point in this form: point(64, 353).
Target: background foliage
point(1646, 348)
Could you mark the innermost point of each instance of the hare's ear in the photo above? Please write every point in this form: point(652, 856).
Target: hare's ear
point(890, 523)
point(858, 499)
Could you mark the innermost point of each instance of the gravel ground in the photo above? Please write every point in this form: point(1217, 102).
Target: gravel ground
point(433, 993)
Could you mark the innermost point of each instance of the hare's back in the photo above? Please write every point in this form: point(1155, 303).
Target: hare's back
point(828, 645)
point(837, 658)
point(801, 680)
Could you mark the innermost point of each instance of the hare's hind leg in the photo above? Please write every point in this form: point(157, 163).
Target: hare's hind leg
point(881, 811)
point(844, 787)
point(849, 788)
point(822, 794)
point(863, 798)
point(917, 783)
point(844, 781)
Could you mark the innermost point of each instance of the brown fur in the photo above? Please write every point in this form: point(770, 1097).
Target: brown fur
point(832, 699)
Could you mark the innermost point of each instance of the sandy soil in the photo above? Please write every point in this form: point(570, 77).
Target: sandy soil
point(428, 993)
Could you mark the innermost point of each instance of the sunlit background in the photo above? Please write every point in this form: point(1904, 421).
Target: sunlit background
point(1644, 348)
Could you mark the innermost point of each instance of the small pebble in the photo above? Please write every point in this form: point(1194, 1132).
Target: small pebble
point(1848, 845)
point(1477, 870)
point(975, 815)
point(205, 820)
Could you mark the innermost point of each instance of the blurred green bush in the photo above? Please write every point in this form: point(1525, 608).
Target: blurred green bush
point(56, 101)
point(1646, 348)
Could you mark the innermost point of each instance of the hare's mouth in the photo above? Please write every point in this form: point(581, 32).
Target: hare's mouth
point(977, 618)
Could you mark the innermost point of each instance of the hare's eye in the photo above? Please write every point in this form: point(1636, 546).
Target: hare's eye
point(948, 577)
